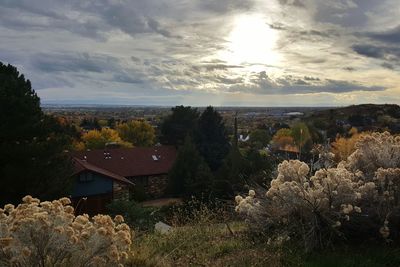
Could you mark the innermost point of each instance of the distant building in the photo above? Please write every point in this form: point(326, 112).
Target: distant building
point(287, 152)
point(294, 113)
point(103, 175)
point(243, 139)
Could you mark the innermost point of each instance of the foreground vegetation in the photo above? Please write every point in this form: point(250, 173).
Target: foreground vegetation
point(216, 245)
point(49, 235)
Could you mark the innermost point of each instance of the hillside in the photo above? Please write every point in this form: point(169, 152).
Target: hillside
point(365, 117)
point(367, 110)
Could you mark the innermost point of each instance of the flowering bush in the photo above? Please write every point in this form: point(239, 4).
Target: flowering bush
point(316, 207)
point(48, 234)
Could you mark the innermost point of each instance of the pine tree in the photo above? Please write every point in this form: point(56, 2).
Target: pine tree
point(212, 138)
point(175, 127)
point(32, 160)
point(190, 175)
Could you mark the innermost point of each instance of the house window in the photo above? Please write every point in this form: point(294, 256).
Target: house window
point(86, 177)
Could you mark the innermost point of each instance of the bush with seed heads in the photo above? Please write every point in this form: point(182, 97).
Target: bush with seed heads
point(360, 194)
point(49, 234)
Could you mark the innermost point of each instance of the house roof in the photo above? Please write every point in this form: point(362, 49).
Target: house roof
point(82, 165)
point(131, 162)
point(289, 148)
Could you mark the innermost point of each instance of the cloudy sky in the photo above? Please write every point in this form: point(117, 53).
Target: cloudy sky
point(201, 52)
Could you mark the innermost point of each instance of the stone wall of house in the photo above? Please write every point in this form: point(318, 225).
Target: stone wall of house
point(157, 186)
point(121, 191)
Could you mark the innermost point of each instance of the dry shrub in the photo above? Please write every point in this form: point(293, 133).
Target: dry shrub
point(197, 212)
point(361, 193)
point(48, 234)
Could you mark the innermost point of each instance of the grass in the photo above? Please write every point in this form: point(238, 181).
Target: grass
point(216, 245)
point(202, 245)
point(200, 239)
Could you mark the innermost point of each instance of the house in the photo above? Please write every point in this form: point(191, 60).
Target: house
point(287, 152)
point(105, 174)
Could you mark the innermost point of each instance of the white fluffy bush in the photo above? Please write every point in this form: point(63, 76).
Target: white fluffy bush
point(48, 234)
point(315, 207)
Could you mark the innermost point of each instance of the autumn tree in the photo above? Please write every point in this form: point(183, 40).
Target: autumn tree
point(139, 133)
point(343, 147)
point(283, 138)
point(32, 144)
point(96, 139)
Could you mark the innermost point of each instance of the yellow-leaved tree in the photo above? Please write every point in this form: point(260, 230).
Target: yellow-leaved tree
point(139, 133)
point(96, 139)
point(345, 146)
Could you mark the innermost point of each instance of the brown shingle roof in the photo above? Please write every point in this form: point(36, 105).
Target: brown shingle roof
point(131, 162)
point(81, 165)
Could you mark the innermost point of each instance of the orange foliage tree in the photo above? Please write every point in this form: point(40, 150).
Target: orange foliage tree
point(343, 146)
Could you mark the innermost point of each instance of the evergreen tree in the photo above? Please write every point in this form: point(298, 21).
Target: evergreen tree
point(175, 127)
point(232, 175)
point(259, 138)
point(190, 175)
point(261, 166)
point(212, 139)
point(32, 160)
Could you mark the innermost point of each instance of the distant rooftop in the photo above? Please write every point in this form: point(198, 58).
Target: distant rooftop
point(131, 162)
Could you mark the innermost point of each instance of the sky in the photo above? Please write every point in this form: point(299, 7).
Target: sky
point(205, 52)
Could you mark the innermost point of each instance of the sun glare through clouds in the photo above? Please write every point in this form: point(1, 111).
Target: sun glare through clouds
point(251, 41)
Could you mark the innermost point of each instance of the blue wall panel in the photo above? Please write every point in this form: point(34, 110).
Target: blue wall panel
point(98, 185)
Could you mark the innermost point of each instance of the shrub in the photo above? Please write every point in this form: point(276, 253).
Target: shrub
point(197, 211)
point(361, 194)
point(48, 234)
